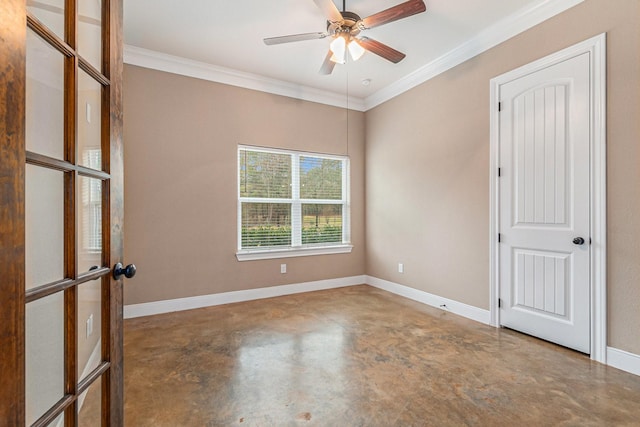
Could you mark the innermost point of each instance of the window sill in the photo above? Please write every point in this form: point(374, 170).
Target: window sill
point(253, 255)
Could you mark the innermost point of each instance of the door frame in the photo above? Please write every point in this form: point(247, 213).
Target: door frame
point(596, 47)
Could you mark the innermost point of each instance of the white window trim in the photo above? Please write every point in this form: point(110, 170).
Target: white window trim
point(296, 250)
point(257, 254)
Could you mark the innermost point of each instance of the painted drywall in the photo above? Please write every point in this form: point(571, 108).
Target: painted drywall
point(181, 137)
point(427, 168)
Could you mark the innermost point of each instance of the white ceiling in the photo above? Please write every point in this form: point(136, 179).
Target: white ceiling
point(229, 34)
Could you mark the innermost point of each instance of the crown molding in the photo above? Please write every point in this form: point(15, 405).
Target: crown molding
point(490, 37)
point(146, 58)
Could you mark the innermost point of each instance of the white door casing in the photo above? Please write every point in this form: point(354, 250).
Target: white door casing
point(548, 141)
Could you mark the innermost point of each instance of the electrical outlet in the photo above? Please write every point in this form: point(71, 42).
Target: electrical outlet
point(400, 267)
point(88, 111)
point(90, 326)
point(283, 268)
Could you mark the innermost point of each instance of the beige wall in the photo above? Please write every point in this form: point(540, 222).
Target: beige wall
point(180, 177)
point(427, 168)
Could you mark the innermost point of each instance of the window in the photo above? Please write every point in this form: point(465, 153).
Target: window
point(291, 203)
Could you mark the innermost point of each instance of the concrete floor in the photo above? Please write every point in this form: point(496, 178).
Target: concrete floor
point(358, 356)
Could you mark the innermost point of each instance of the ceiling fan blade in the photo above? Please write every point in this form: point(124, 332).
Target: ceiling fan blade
point(381, 49)
point(330, 10)
point(327, 65)
point(403, 10)
point(294, 38)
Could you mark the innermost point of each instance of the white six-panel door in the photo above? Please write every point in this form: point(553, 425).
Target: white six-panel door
point(544, 146)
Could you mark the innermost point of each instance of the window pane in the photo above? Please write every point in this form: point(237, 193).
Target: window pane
point(89, 327)
point(90, 405)
point(266, 224)
point(320, 178)
point(44, 352)
point(50, 12)
point(321, 224)
point(265, 175)
point(89, 217)
point(44, 98)
point(89, 121)
point(90, 31)
point(44, 226)
point(58, 421)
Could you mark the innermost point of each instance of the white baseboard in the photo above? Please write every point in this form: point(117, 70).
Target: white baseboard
point(459, 308)
point(623, 360)
point(189, 303)
point(180, 304)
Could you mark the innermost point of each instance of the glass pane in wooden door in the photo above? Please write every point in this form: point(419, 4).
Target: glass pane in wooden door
point(50, 12)
point(89, 121)
point(44, 98)
point(58, 422)
point(89, 327)
point(44, 226)
point(44, 342)
point(90, 31)
point(90, 405)
point(89, 217)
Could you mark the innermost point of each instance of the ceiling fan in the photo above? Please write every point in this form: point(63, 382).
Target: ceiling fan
point(345, 27)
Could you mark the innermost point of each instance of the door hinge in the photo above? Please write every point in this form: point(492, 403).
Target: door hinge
point(499, 106)
point(499, 237)
point(499, 302)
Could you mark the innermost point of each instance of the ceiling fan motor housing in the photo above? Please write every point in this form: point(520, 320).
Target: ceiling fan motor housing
point(348, 24)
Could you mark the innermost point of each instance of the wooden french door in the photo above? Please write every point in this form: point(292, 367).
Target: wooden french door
point(61, 178)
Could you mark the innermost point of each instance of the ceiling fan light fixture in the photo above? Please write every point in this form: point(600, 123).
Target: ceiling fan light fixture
point(338, 46)
point(355, 50)
point(337, 60)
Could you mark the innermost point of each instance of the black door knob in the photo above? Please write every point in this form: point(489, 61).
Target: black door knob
point(129, 271)
point(578, 241)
